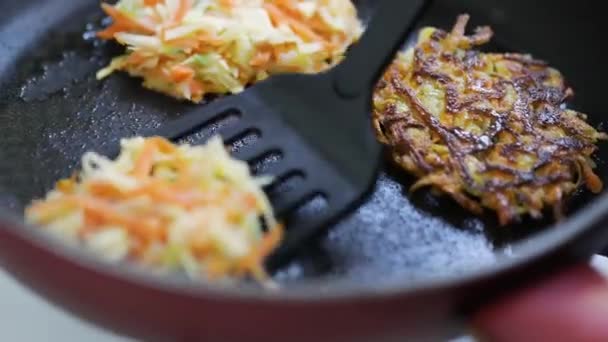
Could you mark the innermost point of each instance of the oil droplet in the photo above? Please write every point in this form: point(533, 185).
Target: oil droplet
point(485, 140)
point(89, 35)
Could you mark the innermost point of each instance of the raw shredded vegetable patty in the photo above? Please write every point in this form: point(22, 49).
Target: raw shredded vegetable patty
point(490, 130)
point(189, 208)
point(189, 48)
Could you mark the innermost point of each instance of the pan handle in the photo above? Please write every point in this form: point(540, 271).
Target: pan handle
point(367, 60)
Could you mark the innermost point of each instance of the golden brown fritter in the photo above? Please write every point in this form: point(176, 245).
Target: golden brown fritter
point(491, 130)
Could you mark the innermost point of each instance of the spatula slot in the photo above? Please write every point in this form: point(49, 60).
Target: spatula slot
point(243, 140)
point(312, 206)
point(212, 126)
point(286, 183)
point(261, 164)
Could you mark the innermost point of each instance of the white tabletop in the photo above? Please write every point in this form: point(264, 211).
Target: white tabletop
point(25, 317)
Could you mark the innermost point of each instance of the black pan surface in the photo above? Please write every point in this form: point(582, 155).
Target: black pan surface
point(52, 110)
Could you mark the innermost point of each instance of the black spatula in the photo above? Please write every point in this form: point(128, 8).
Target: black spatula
point(320, 124)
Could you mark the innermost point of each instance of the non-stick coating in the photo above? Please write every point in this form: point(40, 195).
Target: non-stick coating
point(52, 110)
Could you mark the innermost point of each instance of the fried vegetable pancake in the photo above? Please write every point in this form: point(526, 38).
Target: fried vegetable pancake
point(491, 130)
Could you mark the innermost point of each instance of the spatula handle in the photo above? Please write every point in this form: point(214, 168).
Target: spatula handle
point(366, 61)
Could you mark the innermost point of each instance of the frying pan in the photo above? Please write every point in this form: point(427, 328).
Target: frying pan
point(403, 266)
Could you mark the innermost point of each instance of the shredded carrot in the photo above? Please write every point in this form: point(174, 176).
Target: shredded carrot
point(105, 190)
point(152, 2)
point(182, 10)
point(317, 25)
point(304, 31)
point(66, 185)
point(207, 39)
point(143, 165)
point(163, 145)
point(262, 250)
point(196, 87)
point(137, 250)
point(315, 28)
point(216, 268)
point(271, 240)
point(260, 59)
point(125, 22)
point(110, 31)
point(202, 249)
point(186, 43)
point(227, 4)
point(135, 58)
point(279, 17)
point(181, 73)
point(250, 201)
point(593, 182)
point(104, 212)
point(161, 192)
point(289, 7)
